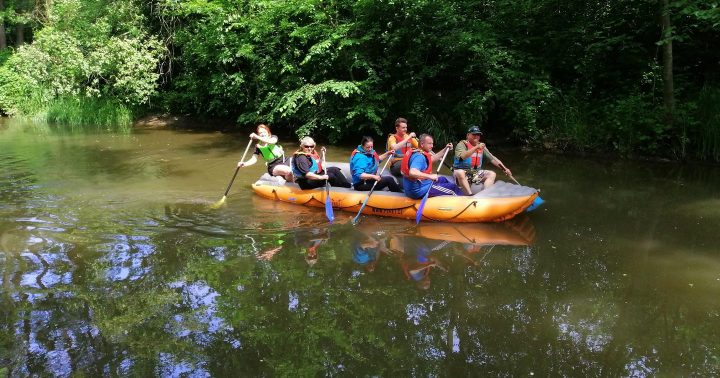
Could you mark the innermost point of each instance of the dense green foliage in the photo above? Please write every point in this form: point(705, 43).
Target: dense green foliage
point(90, 52)
point(578, 76)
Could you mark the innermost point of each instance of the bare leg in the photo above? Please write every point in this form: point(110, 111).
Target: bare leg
point(462, 181)
point(489, 179)
point(284, 171)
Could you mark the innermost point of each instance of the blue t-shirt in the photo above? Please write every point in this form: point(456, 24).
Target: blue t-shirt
point(417, 189)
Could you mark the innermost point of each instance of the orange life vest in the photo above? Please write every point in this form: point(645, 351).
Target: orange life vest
point(402, 151)
point(405, 165)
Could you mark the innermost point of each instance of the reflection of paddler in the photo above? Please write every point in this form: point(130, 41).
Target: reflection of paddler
point(367, 246)
point(417, 260)
point(311, 239)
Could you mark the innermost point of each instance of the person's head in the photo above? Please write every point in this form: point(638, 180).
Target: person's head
point(263, 130)
point(311, 255)
point(367, 143)
point(401, 126)
point(426, 142)
point(474, 134)
point(307, 144)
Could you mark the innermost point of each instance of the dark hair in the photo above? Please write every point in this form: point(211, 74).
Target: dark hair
point(399, 121)
point(366, 139)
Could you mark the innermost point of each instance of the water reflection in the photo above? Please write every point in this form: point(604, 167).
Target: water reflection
point(123, 270)
point(420, 250)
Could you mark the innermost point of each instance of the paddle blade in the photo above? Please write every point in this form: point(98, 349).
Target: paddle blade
point(218, 204)
point(328, 207)
point(418, 216)
point(536, 203)
point(357, 218)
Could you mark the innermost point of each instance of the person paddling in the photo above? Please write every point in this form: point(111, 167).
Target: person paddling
point(364, 163)
point(309, 171)
point(467, 165)
point(270, 151)
point(401, 142)
point(417, 172)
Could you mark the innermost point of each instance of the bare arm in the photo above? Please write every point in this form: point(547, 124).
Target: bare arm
point(405, 140)
point(272, 139)
point(471, 151)
point(419, 175)
point(369, 176)
point(438, 155)
point(496, 162)
point(249, 162)
point(315, 176)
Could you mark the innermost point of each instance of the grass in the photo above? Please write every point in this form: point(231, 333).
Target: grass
point(89, 113)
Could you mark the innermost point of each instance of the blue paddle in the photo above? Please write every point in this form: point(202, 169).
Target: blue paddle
point(536, 203)
point(357, 217)
point(328, 204)
point(418, 216)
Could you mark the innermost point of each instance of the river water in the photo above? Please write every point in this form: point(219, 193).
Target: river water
point(114, 264)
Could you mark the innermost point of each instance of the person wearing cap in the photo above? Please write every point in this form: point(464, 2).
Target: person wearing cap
point(467, 165)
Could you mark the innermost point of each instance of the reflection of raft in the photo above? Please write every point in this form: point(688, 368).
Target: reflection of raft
point(517, 231)
point(506, 233)
point(500, 202)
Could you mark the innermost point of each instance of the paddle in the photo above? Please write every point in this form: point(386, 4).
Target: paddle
point(536, 203)
point(224, 197)
point(418, 216)
point(357, 217)
point(328, 205)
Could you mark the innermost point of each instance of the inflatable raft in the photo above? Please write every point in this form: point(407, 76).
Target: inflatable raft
point(500, 202)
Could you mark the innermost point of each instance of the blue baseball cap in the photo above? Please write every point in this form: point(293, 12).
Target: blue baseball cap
point(474, 130)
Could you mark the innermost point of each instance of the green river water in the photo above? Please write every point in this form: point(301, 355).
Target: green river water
point(113, 264)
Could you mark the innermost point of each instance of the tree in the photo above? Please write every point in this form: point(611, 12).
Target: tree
point(3, 39)
point(667, 53)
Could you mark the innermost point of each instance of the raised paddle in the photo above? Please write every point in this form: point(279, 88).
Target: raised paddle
point(224, 197)
point(536, 203)
point(328, 205)
point(418, 216)
point(357, 217)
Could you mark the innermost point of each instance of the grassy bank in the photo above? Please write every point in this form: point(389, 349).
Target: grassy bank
point(89, 113)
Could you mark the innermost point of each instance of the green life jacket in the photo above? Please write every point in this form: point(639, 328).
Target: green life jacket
point(271, 152)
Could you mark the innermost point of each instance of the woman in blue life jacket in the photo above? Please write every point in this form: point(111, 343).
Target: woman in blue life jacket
point(309, 171)
point(271, 152)
point(364, 163)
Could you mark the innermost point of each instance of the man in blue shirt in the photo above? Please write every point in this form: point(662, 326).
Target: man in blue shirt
point(417, 172)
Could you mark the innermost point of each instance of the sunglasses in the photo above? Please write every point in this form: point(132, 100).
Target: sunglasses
point(308, 146)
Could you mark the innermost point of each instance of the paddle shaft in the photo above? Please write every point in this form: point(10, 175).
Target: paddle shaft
point(238, 168)
point(418, 216)
point(328, 204)
point(355, 220)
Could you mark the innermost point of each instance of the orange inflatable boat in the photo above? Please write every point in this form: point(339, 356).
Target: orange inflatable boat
point(500, 202)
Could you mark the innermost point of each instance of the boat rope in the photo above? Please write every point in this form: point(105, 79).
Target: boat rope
point(473, 203)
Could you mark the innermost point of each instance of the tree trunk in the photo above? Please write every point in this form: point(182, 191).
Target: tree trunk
point(3, 40)
point(19, 35)
point(668, 85)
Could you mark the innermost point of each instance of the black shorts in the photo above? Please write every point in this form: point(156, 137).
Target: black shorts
point(272, 164)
